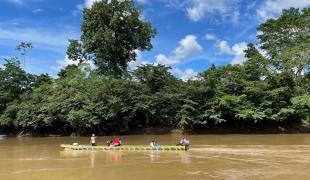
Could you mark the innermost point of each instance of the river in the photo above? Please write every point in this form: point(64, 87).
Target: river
point(209, 157)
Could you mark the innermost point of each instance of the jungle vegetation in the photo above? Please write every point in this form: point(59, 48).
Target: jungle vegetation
point(270, 89)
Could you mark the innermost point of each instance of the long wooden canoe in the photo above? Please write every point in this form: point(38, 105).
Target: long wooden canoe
point(123, 148)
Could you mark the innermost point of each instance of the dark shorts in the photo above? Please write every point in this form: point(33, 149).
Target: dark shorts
point(93, 144)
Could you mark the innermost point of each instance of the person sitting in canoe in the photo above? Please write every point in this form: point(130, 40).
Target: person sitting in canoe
point(183, 142)
point(117, 141)
point(180, 143)
point(109, 142)
point(75, 144)
point(156, 144)
point(93, 140)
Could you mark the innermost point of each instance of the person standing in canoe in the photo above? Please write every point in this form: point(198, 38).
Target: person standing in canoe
point(117, 141)
point(152, 143)
point(93, 140)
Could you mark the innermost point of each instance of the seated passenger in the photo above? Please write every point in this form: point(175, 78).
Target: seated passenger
point(156, 144)
point(75, 144)
point(120, 141)
point(109, 142)
point(185, 142)
point(117, 141)
point(180, 143)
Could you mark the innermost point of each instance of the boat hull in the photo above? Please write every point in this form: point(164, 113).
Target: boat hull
point(123, 148)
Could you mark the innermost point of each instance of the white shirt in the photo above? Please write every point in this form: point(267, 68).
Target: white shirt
point(93, 139)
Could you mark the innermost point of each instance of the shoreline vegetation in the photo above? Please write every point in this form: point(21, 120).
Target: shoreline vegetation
point(268, 93)
point(297, 129)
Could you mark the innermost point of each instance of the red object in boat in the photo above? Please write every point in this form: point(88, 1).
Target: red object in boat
point(116, 141)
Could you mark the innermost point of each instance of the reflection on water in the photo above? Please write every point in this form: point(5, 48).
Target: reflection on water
point(185, 158)
point(210, 157)
point(154, 156)
point(114, 157)
point(111, 157)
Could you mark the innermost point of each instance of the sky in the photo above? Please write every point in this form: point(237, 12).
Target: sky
point(191, 34)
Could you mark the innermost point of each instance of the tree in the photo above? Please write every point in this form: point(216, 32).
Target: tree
point(13, 82)
point(112, 31)
point(68, 71)
point(267, 91)
point(75, 51)
point(42, 79)
point(156, 77)
point(23, 48)
point(297, 60)
point(187, 114)
point(211, 77)
point(287, 40)
point(301, 104)
point(255, 66)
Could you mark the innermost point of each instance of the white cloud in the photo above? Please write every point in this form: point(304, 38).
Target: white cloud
point(184, 74)
point(235, 17)
point(142, 1)
point(37, 10)
point(18, 2)
point(187, 48)
point(273, 8)
point(79, 7)
point(62, 63)
point(237, 50)
point(46, 39)
point(210, 36)
point(89, 3)
point(199, 8)
point(163, 59)
point(223, 47)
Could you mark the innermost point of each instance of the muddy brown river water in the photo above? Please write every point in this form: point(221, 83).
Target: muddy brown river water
point(209, 157)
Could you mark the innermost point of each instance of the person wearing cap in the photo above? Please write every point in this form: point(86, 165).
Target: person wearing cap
point(93, 140)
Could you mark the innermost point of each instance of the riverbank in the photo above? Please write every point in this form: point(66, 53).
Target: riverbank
point(297, 129)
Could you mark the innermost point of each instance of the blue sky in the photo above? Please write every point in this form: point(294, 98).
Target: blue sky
point(192, 34)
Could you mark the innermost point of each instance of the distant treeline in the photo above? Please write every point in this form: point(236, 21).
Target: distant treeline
point(270, 89)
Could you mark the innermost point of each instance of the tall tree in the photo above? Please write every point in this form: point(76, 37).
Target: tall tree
point(112, 31)
point(23, 48)
point(255, 66)
point(287, 40)
point(13, 82)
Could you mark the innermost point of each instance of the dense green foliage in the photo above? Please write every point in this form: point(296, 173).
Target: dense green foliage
point(112, 31)
point(266, 91)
